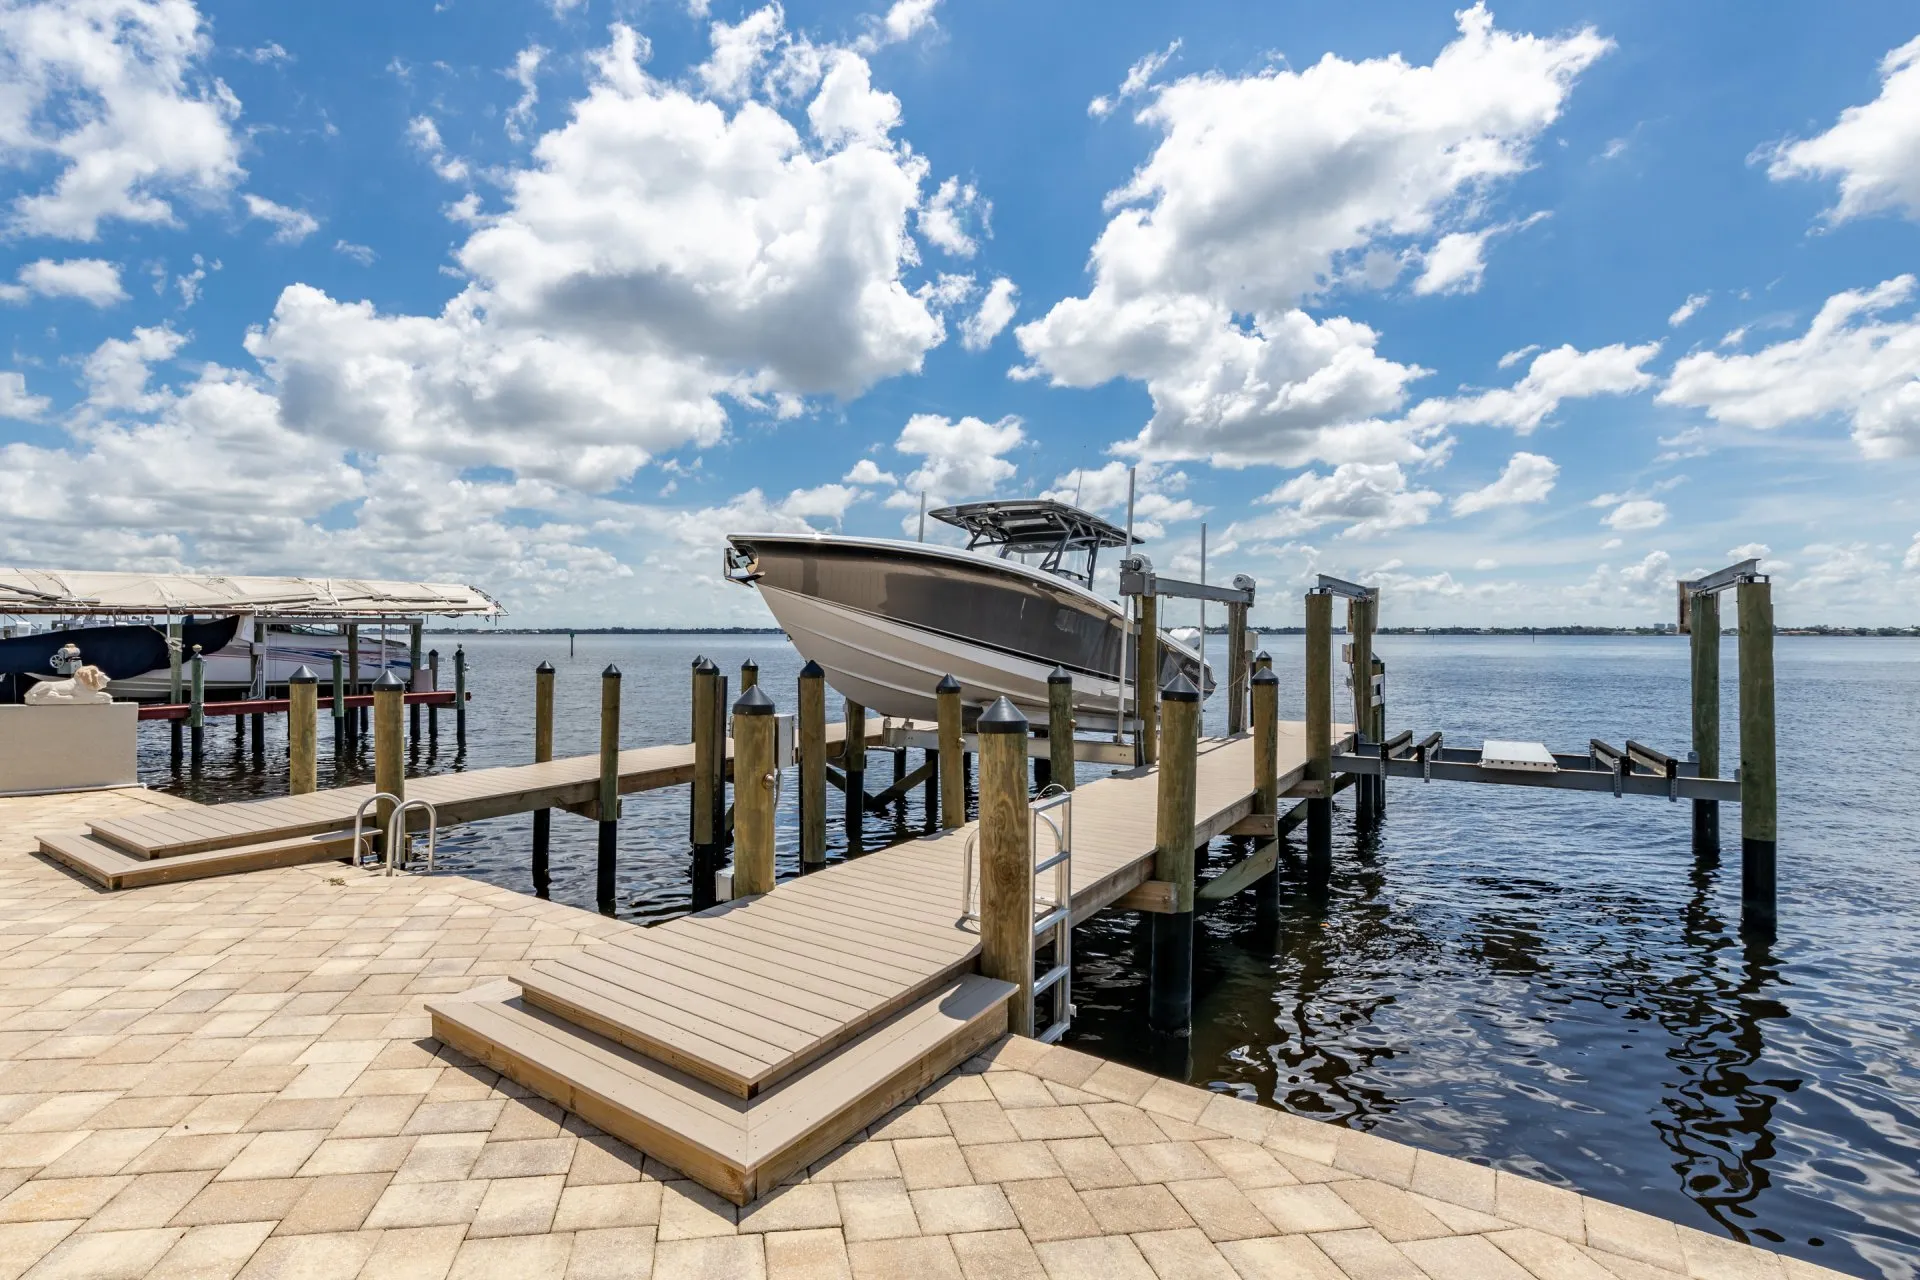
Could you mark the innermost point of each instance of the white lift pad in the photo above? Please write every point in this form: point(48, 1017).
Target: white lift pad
point(1532, 757)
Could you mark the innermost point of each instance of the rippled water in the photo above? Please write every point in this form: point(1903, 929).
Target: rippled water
point(1543, 983)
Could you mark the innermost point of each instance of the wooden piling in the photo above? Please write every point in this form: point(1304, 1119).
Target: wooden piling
point(197, 708)
point(1060, 757)
point(259, 739)
point(413, 677)
point(749, 675)
point(1319, 771)
point(1704, 645)
point(460, 697)
point(1170, 984)
point(175, 686)
point(1263, 661)
point(433, 684)
point(542, 752)
point(812, 743)
point(854, 757)
point(708, 784)
point(1006, 859)
point(1146, 679)
point(389, 769)
point(354, 719)
point(755, 778)
point(953, 783)
point(339, 711)
point(1758, 798)
point(1237, 689)
point(1360, 630)
point(608, 810)
point(1264, 694)
point(1379, 730)
point(303, 717)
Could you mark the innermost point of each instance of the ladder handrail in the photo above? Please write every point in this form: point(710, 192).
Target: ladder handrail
point(396, 829)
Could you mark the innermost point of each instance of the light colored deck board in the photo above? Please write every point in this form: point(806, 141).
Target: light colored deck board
point(764, 1037)
point(721, 965)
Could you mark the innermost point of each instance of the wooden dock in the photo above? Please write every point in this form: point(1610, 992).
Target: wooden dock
point(207, 840)
point(741, 1043)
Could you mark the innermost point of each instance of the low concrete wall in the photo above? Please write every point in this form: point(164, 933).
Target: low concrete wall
point(70, 748)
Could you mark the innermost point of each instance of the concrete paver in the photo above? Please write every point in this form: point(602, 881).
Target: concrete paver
point(235, 1077)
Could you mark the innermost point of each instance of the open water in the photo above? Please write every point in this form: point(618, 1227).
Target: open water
point(1539, 982)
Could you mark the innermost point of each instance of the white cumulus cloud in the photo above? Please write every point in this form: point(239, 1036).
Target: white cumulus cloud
point(290, 226)
point(16, 402)
point(995, 312)
point(949, 216)
point(1874, 150)
point(113, 95)
point(1368, 498)
point(1261, 190)
point(961, 457)
point(1527, 478)
point(867, 471)
point(1636, 514)
point(1687, 310)
point(1564, 373)
point(90, 280)
point(1853, 363)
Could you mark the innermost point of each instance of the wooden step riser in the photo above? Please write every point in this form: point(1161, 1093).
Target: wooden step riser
point(601, 1021)
point(778, 1135)
point(137, 874)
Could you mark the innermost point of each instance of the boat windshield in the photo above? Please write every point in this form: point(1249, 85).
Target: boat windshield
point(1066, 539)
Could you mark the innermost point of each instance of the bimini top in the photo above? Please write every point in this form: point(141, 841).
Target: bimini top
point(70, 593)
point(1022, 526)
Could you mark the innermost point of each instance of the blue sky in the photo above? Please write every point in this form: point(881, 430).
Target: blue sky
point(1520, 312)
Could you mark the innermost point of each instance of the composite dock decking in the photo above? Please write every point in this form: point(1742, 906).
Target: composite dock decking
point(687, 1039)
point(202, 840)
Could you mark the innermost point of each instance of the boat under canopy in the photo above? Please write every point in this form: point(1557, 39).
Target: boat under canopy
point(888, 618)
point(71, 593)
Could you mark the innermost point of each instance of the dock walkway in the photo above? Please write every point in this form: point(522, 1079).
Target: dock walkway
point(742, 1042)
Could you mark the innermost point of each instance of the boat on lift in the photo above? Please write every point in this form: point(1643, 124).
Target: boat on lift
point(888, 618)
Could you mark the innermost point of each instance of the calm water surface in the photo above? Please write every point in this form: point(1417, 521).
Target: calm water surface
point(1542, 983)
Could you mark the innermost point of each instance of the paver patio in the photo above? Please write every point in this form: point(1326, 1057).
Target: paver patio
point(234, 1077)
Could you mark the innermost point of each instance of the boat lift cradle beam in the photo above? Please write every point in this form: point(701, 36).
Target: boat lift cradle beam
point(1137, 578)
point(1603, 769)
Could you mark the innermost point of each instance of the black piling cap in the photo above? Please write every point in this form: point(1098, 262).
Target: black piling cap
point(947, 685)
point(1001, 717)
point(813, 671)
point(387, 680)
point(1266, 675)
point(754, 702)
point(707, 667)
point(303, 676)
point(749, 663)
point(1059, 675)
point(611, 673)
point(1179, 689)
point(698, 659)
point(544, 669)
point(1263, 656)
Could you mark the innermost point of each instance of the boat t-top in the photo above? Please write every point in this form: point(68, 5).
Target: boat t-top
point(888, 618)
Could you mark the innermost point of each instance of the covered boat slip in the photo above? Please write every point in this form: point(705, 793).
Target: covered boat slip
point(740, 1043)
point(74, 593)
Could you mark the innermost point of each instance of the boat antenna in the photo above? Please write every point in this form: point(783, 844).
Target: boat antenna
point(1079, 478)
point(923, 516)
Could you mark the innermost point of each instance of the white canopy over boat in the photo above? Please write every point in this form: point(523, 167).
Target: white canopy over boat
point(74, 593)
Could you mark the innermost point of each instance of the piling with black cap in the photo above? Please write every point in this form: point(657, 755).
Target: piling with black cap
point(1263, 661)
point(355, 716)
point(854, 756)
point(176, 687)
point(1146, 678)
point(1360, 622)
point(704, 814)
point(542, 752)
point(389, 768)
point(1170, 984)
point(339, 712)
point(749, 675)
point(608, 809)
point(197, 708)
point(1265, 699)
point(1319, 770)
point(460, 697)
point(1059, 727)
point(953, 783)
point(1703, 621)
point(1006, 859)
point(812, 731)
point(303, 725)
point(1758, 795)
point(1237, 688)
point(413, 679)
point(433, 685)
point(756, 779)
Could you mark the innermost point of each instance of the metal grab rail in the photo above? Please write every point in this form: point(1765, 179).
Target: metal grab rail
point(359, 816)
point(1057, 915)
point(397, 830)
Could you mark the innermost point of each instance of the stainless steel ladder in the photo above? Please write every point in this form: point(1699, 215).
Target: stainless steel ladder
point(1051, 812)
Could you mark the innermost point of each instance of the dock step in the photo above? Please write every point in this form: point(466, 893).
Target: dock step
point(212, 828)
point(116, 869)
point(738, 1147)
point(695, 1016)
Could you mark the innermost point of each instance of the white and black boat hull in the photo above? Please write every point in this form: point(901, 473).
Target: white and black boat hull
point(888, 620)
